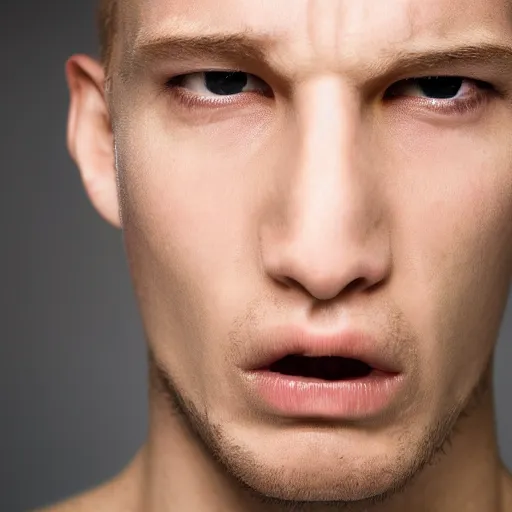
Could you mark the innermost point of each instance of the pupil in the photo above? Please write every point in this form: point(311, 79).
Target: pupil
point(222, 83)
point(441, 87)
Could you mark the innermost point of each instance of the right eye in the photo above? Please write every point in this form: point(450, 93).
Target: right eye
point(219, 83)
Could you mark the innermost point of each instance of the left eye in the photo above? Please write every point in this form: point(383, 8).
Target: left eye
point(435, 87)
point(219, 83)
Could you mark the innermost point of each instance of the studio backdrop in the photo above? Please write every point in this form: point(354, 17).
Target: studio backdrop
point(72, 356)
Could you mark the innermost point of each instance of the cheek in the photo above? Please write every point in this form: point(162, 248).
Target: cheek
point(191, 193)
point(452, 246)
point(189, 228)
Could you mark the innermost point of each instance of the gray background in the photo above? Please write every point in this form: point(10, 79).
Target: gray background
point(72, 360)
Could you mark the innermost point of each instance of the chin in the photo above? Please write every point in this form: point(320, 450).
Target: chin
point(327, 484)
point(321, 466)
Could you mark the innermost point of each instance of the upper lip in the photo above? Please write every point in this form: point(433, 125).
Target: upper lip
point(350, 344)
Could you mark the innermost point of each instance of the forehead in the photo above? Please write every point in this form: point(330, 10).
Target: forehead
point(314, 27)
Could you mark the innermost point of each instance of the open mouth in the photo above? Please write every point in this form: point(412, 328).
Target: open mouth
point(329, 368)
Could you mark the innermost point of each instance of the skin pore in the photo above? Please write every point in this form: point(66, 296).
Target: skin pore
point(338, 188)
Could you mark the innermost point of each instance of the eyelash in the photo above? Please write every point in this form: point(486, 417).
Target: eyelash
point(483, 92)
point(193, 100)
point(448, 106)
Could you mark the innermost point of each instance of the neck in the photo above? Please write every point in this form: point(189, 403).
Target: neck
point(176, 471)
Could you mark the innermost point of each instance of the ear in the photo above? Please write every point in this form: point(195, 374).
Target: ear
point(89, 136)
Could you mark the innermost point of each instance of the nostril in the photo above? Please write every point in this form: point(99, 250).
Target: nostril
point(355, 284)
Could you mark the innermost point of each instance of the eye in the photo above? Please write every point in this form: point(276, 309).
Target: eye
point(437, 87)
point(219, 83)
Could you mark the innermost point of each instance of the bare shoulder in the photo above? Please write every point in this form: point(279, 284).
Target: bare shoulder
point(87, 502)
point(102, 499)
point(117, 495)
point(507, 492)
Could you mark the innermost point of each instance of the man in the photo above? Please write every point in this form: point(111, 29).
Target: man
point(316, 201)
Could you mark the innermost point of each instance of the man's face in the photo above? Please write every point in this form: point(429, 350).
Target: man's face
point(317, 190)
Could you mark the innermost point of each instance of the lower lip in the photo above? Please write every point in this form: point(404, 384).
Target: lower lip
point(306, 397)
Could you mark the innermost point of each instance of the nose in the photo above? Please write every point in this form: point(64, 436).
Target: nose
point(324, 230)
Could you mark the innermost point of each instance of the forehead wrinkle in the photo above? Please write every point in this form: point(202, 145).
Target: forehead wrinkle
point(409, 18)
point(413, 35)
point(442, 18)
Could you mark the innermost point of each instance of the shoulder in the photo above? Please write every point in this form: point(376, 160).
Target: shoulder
point(83, 503)
point(507, 492)
point(102, 499)
point(118, 495)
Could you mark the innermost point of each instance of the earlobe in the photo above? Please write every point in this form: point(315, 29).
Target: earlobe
point(89, 135)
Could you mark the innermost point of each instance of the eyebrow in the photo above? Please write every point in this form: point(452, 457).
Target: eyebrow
point(245, 46)
point(238, 47)
point(483, 53)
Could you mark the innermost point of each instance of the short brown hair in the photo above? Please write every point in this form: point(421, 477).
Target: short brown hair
point(107, 16)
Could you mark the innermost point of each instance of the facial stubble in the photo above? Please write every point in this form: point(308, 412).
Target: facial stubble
point(241, 466)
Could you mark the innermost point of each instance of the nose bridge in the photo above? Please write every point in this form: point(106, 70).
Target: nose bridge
point(325, 196)
point(328, 237)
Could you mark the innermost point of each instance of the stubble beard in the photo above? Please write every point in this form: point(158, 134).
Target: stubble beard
point(240, 466)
